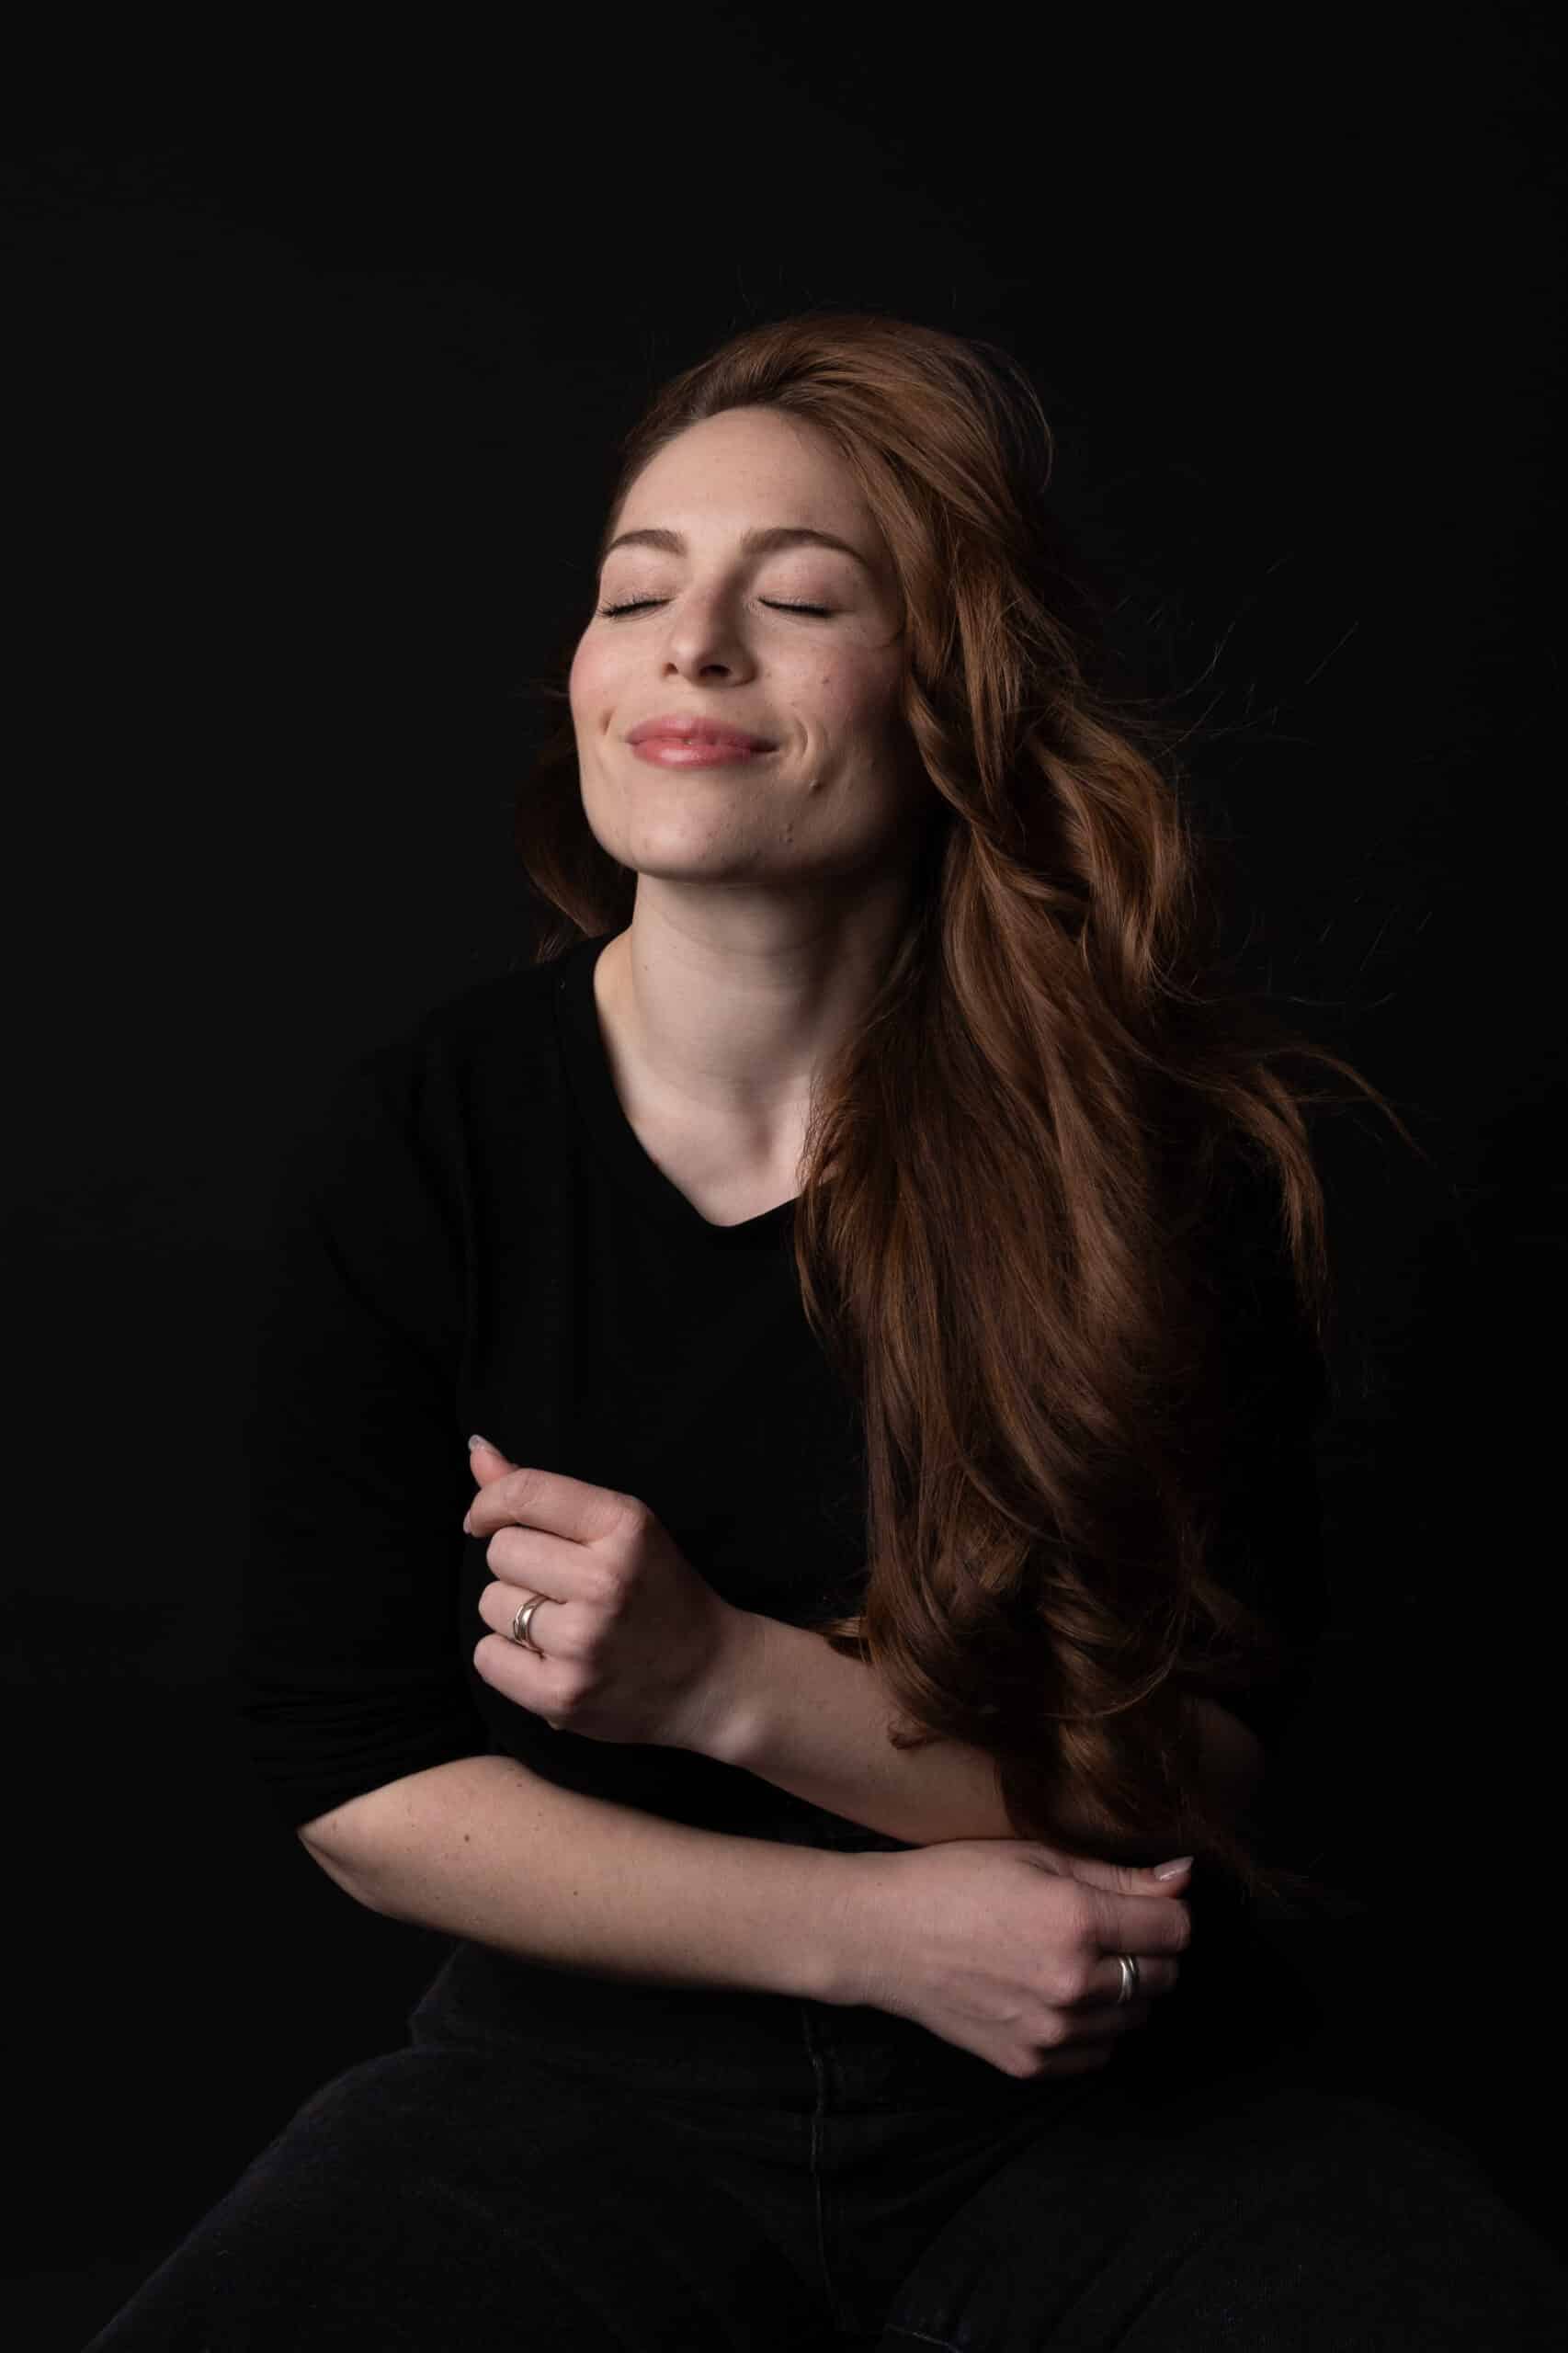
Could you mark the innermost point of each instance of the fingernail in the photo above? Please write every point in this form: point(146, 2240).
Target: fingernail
point(467, 1523)
point(477, 1442)
point(1170, 1871)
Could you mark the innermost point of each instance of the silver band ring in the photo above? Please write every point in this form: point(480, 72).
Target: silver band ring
point(521, 1617)
point(1129, 1968)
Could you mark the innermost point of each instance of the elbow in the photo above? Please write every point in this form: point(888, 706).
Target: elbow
point(345, 1831)
point(335, 1869)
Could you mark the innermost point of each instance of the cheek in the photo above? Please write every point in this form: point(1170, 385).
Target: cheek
point(591, 681)
point(579, 678)
point(857, 703)
point(847, 696)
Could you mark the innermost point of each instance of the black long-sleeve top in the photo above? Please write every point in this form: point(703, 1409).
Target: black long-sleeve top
point(469, 1235)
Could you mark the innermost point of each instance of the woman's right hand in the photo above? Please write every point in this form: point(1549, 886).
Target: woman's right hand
point(1007, 1948)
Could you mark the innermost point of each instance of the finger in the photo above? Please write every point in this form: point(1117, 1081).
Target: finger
point(562, 1572)
point(1093, 1982)
point(1108, 2024)
point(1081, 2031)
point(1109, 2021)
point(562, 1642)
point(1104, 1985)
point(513, 1670)
point(487, 1463)
point(549, 1500)
point(1139, 1924)
point(499, 1605)
point(1125, 1878)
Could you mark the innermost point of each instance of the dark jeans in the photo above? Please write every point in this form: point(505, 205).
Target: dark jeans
point(556, 2162)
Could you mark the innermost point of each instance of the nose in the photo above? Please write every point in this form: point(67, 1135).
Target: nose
point(706, 640)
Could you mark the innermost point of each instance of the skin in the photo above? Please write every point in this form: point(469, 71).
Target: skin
point(770, 895)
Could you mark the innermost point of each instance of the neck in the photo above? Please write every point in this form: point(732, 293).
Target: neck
point(728, 1036)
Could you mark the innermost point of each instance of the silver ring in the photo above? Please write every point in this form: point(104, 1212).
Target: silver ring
point(1129, 1968)
point(521, 1619)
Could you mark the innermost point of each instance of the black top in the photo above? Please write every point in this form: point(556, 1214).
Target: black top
point(469, 1235)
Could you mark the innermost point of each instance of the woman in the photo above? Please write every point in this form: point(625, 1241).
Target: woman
point(890, 1282)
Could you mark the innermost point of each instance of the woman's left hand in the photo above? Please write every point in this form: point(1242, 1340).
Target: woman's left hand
point(636, 1645)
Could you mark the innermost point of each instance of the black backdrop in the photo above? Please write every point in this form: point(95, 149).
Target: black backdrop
point(320, 361)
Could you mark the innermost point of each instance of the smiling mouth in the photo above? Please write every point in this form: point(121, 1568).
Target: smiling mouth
point(697, 751)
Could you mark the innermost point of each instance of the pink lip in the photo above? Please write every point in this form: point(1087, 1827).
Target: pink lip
point(677, 727)
point(697, 752)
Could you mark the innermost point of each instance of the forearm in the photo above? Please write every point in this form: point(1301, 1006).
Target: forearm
point(482, 1848)
point(812, 1721)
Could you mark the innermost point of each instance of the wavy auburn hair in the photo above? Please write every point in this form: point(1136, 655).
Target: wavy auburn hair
point(1015, 1166)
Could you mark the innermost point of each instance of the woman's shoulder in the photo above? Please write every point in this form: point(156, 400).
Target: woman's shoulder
point(467, 1058)
point(506, 1011)
point(411, 1099)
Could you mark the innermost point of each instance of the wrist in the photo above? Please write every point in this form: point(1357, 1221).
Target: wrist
point(837, 1966)
point(723, 1727)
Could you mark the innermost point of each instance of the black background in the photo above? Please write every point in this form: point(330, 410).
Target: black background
point(318, 363)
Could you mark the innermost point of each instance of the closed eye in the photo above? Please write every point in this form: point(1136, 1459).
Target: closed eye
point(640, 604)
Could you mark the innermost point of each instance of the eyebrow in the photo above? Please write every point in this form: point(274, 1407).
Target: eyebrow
point(761, 542)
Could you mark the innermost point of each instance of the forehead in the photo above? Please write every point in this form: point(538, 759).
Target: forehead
point(744, 461)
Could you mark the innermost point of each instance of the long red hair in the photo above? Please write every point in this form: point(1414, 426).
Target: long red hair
point(1019, 1165)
